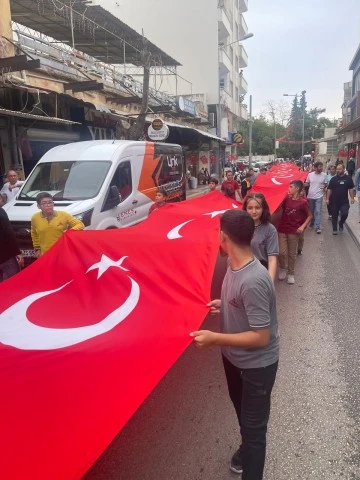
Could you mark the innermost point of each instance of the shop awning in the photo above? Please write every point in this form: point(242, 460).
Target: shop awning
point(97, 32)
point(327, 139)
point(200, 132)
point(13, 113)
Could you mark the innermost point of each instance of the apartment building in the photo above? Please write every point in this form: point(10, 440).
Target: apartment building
point(203, 36)
point(349, 133)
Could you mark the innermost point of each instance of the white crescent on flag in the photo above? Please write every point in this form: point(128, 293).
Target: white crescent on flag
point(19, 332)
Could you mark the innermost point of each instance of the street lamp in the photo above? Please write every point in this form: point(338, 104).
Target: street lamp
point(245, 37)
point(303, 120)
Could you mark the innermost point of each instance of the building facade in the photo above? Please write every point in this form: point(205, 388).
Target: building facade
point(203, 36)
point(64, 79)
point(349, 133)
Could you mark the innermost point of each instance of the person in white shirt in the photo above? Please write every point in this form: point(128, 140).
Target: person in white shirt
point(317, 181)
point(10, 188)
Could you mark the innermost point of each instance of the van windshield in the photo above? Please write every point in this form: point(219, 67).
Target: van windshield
point(72, 180)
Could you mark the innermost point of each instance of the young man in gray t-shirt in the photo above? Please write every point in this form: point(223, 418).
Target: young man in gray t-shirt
point(249, 340)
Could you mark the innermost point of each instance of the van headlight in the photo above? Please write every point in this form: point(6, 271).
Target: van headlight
point(85, 217)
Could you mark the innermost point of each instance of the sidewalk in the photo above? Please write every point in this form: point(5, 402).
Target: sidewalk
point(195, 192)
point(352, 223)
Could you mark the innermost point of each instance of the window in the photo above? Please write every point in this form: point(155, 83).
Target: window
point(123, 180)
point(171, 169)
point(231, 88)
point(72, 180)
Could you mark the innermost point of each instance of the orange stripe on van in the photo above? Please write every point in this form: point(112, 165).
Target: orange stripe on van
point(147, 186)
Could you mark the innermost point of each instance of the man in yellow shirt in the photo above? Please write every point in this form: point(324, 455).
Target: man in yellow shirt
point(48, 225)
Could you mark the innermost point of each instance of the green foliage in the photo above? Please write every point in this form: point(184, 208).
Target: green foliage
point(263, 136)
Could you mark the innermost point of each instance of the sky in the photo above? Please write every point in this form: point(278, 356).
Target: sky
point(301, 45)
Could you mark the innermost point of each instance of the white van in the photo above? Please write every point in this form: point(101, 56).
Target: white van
point(105, 183)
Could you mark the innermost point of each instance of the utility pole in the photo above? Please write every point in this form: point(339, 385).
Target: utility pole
point(250, 132)
point(303, 125)
point(136, 131)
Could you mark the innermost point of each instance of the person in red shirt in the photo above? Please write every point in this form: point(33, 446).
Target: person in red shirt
point(229, 187)
point(295, 217)
point(160, 200)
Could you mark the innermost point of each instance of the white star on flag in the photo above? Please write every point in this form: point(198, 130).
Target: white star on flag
point(214, 214)
point(105, 263)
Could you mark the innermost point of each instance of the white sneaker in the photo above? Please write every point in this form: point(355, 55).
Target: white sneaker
point(291, 279)
point(282, 274)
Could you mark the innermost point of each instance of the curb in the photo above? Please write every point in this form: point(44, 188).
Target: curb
point(352, 235)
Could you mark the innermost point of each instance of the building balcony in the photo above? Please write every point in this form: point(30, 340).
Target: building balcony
point(243, 57)
point(225, 98)
point(225, 63)
point(243, 28)
point(243, 5)
point(243, 113)
point(224, 25)
point(243, 85)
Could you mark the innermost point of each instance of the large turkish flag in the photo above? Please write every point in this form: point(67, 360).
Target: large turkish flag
point(90, 328)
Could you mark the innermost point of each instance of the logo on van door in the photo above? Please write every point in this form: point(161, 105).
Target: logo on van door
point(127, 214)
point(172, 162)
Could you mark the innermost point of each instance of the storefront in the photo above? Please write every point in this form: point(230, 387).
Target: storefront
point(202, 149)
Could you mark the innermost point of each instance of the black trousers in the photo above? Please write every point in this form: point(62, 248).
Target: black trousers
point(250, 392)
point(336, 209)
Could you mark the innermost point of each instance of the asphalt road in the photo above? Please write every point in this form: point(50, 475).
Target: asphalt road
point(187, 430)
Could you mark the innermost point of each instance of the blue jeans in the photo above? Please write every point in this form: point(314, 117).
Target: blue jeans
point(315, 205)
point(8, 268)
point(250, 392)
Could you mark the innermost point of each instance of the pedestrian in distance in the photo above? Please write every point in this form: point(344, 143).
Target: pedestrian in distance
point(350, 167)
point(252, 176)
point(265, 242)
point(230, 187)
point(249, 340)
point(357, 187)
point(263, 170)
point(331, 173)
point(316, 181)
point(295, 217)
point(206, 176)
point(246, 185)
point(337, 197)
point(10, 256)
point(48, 225)
point(11, 188)
point(160, 200)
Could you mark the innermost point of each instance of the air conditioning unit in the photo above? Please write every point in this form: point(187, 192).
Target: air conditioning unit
point(222, 83)
point(211, 119)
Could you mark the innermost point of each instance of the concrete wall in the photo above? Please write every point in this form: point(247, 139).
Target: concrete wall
point(186, 30)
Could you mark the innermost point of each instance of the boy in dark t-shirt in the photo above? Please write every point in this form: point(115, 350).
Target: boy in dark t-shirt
point(295, 218)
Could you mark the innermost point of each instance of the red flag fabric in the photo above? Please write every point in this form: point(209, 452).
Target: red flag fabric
point(90, 328)
point(275, 183)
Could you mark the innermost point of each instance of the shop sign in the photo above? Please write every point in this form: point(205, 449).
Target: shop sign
point(187, 106)
point(236, 138)
point(158, 130)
